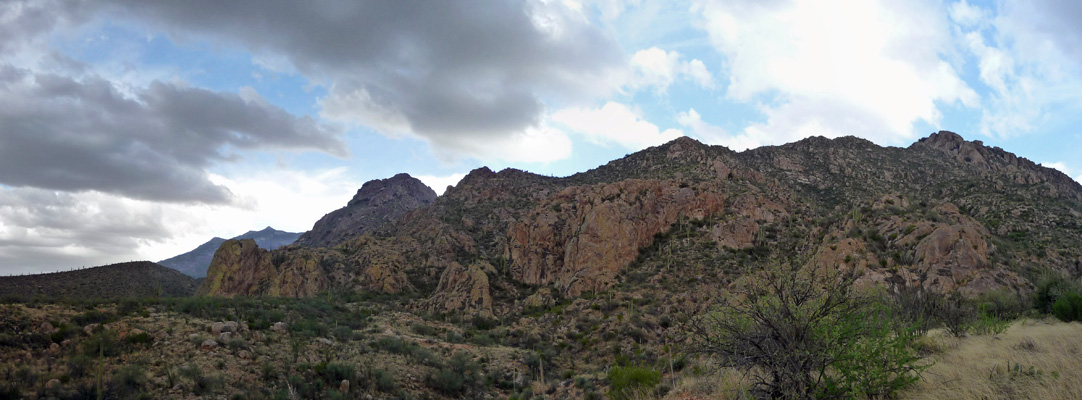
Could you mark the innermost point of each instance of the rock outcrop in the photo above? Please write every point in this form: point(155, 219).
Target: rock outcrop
point(376, 203)
point(582, 237)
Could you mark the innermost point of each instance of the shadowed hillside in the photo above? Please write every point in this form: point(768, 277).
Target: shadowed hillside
point(131, 279)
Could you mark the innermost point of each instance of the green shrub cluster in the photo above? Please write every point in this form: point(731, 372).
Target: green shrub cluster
point(627, 381)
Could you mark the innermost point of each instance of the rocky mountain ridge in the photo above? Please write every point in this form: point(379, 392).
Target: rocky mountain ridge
point(685, 218)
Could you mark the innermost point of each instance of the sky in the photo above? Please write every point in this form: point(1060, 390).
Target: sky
point(137, 130)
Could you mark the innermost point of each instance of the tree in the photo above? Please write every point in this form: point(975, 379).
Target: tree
point(803, 335)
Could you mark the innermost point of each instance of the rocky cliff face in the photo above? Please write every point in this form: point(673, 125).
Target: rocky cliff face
point(376, 203)
point(684, 220)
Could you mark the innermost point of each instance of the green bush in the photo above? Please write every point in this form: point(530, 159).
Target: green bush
point(877, 364)
point(1068, 307)
point(104, 343)
point(460, 374)
point(385, 381)
point(128, 381)
point(79, 365)
point(336, 372)
point(626, 381)
point(1049, 289)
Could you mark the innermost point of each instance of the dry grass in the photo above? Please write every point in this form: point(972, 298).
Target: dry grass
point(720, 383)
point(1045, 359)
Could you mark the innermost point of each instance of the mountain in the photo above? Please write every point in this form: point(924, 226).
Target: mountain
point(125, 280)
point(376, 203)
point(195, 263)
point(684, 219)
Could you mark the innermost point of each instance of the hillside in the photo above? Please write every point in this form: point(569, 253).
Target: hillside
point(124, 280)
point(195, 263)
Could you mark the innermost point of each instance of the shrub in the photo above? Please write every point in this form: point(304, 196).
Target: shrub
point(384, 381)
point(127, 381)
point(627, 381)
point(802, 334)
point(93, 317)
point(1049, 289)
point(103, 343)
point(336, 372)
point(1068, 307)
point(460, 373)
point(79, 365)
point(141, 338)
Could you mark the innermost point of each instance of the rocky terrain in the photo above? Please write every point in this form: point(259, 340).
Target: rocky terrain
point(124, 280)
point(195, 263)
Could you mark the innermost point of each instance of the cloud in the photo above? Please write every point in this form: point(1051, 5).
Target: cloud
point(454, 74)
point(877, 65)
point(615, 123)
point(659, 68)
point(440, 183)
point(715, 135)
point(82, 134)
point(1028, 55)
point(46, 230)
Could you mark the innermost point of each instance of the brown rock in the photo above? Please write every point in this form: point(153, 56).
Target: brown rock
point(464, 289)
point(541, 298)
point(208, 345)
point(278, 327)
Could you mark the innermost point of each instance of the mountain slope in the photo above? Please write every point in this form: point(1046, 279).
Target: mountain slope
point(376, 203)
point(684, 220)
point(131, 279)
point(195, 263)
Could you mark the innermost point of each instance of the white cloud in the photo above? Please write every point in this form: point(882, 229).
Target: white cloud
point(615, 123)
point(1029, 59)
point(715, 135)
point(875, 65)
point(539, 144)
point(965, 14)
point(440, 183)
point(659, 68)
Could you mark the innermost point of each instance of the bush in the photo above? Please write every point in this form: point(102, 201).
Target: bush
point(79, 365)
point(104, 343)
point(385, 382)
point(128, 381)
point(460, 373)
point(627, 381)
point(1068, 307)
point(802, 334)
point(1049, 289)
point(336, 372)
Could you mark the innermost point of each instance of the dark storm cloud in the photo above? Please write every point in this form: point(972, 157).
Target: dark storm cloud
point(63, 133)
point(441, 68)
